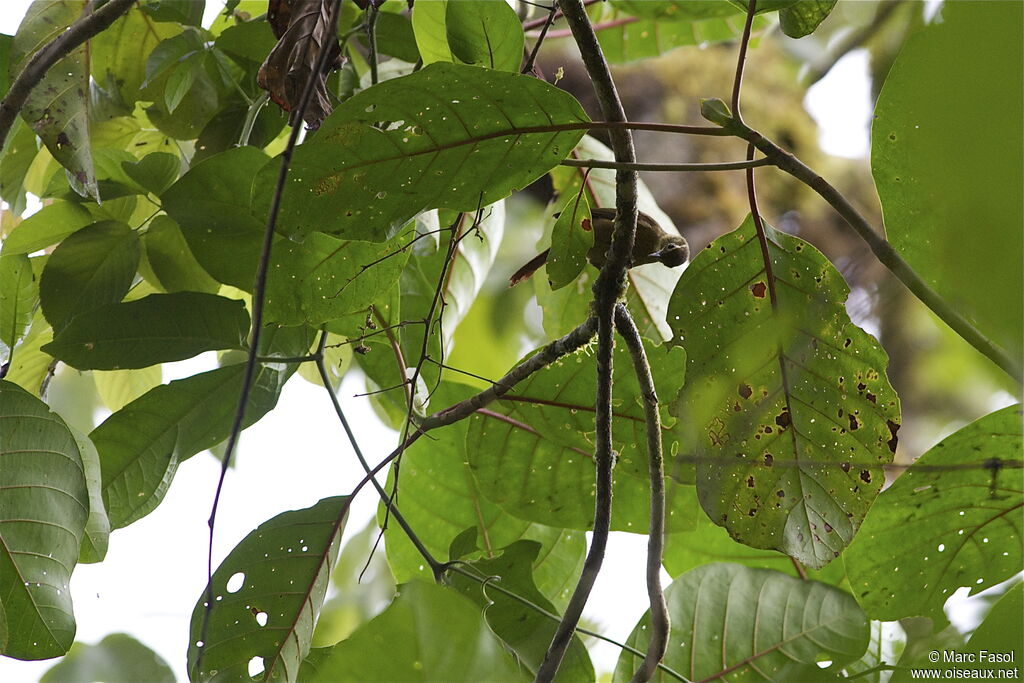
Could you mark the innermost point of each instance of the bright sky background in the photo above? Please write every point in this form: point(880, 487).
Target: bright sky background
point(156, 568)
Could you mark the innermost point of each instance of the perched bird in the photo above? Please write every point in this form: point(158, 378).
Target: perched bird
point(651, 245)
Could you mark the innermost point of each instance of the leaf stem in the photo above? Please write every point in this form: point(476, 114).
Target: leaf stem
point(250, 119)
point(660, 624)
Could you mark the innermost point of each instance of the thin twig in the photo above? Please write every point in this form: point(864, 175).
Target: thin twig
point(81, 30)
point(258, 302)
point(609, 286)
point(882, 249)
point(642, 166)
point(532, 59)
point(371, 39)
point(660, 624)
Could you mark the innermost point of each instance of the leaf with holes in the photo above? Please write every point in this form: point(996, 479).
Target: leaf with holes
point(142, 444)
point(740, 624)
point(58, 108)
point(441, 499)
point(787, 406)
point(448, 136)
point(531, 451)
point(938, 169)
point(523, 629)
point(412, 640)
point(44, 505)
point(19, 294)
point(946, 522)
point(157, 329)
point(267, 595)
point(90, 269)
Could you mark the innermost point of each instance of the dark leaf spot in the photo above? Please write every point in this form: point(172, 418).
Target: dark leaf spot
point(751, 512)
point(846, 344)
point(745, 391)
point(758, 289)
point(865, 476)
point(750, 481)
point(845, 466)
point(783, 419)
point(736, 407)
point(769, 459)
point(780, 493)
point(854, 424)
point(586, 225)
point(861, 386)
point(828, 528)
point(893, 428)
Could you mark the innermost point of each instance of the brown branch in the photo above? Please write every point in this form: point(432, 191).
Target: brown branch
point(32, 74)
point(660, 624)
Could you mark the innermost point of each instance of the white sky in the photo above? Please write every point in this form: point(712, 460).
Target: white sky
point(155, 570)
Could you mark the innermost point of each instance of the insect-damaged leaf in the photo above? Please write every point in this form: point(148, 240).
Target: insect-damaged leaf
point(58, 108)
point(786, 405)
point(447, 136)
point(289, 66)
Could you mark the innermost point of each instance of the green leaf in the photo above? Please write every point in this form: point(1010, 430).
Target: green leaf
point(887, 642)
point(97, 528)
point(522, 628)
point(407, 145)
point(19, 295)
point(58, 108)
point(801, 18)
point(19, 151)
point(1001, 630)
point(429, 28)
point(485, 33)
point(252, 41)
point(118, 388)
point(90, 269)
point(30, 366)
point(118, 658)
point(949, 176)
point(571, 238)
point(678, 10)
point(157, 329)
point(787, 407)
point(210, 203)
point(171, 260)
point(411, 641)
point(395, 36)
point(6, 42)
point(531, 453)
point(142, 444)
point(181, 11)
point(46, 227)
point(155, 172)
point(440, 499)
point(120, 53)
point(755, 624)
point(44, 505)
point(945, 523)
point(269, 590)
point(181, 79)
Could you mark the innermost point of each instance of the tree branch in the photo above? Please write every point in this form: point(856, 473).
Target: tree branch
point(660, 625)
point(57, 49)
point(610, 285)
point(881, 248)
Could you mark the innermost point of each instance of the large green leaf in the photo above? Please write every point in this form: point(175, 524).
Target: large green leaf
point(801, 18)
point(429, 25)
point(157, 329)
point(531, 452)
point(522, 628)
point(31, 366)
point(427, 634)
point(449, 136)
point(58, 108)
point(142, 444)
point(97, 528)
point(120, 52)
point(440, 499)
point(485, 33)
point(46, 227)
point(735, 623)
point(118, 388)
point(90, 269)
point(210, 203)
point(787, 407)
point(19, 151)
point(19, 294)
point(946, 522)
point(118, 658)
point(44, 505)
point(173, 263)
point(945, 154)
point(268, 593)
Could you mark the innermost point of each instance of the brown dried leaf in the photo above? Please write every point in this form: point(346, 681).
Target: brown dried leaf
point(304, 30)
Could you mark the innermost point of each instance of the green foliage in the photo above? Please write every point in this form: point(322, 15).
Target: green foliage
point(947, 173)
point(756, 624)
point(158, 158)
point(935, 530)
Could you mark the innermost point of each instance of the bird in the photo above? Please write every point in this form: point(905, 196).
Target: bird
point(651, 245)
